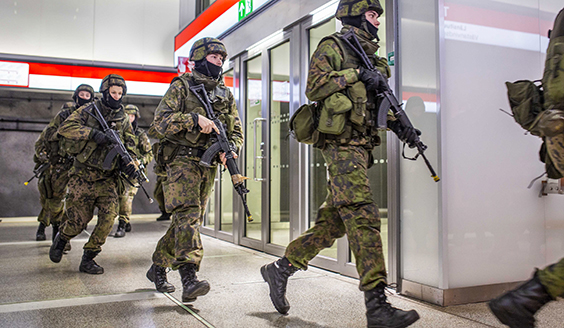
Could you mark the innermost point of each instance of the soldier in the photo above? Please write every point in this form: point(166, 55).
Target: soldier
point(158, 192)
point(517, 308)
point(53, 183)
point(338, 81)
point(91, 185)
point(183, 130)
point(144, 155)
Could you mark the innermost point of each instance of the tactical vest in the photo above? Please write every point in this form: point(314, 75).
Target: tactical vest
point(221, 104)
point(358, 120)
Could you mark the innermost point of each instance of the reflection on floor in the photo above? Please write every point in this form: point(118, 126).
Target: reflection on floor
point(34, 292)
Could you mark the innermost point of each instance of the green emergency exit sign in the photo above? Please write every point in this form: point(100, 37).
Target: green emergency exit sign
point(245, 8)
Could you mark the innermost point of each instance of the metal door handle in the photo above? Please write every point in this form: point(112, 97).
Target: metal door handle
point(255, 150)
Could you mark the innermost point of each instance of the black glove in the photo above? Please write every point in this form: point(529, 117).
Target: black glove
point(130, 170)
point(410, 135)
point(100, 137)
point(373, 80)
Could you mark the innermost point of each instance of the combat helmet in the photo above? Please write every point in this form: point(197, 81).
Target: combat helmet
point(83, 87)
point(113, 79)
point(205, 46)
point(351, 8)
point(132, 109)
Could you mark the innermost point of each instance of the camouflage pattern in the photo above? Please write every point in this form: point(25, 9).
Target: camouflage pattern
point(205, 46)
point(187, 189)
point(126, 203)
point(552, 278)
point(83, 87)
point(348, 209)
point(113, 79)
point(188, 185)
point(83, 197)
point(91, 186)
point(132, 109)
point(158, 193)
point(555, 149)
point(349, 8)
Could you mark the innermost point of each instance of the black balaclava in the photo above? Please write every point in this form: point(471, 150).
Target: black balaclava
point(82, 101)
point(205, 67)
point(361, 23)
point(109, 101)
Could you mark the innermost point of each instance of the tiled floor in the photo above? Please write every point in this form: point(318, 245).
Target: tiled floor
point(34, 292)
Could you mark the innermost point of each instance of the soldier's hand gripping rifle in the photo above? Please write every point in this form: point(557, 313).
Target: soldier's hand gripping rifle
point(119, 149)
point(38, 172)
point(221, 145)
point(389, 102)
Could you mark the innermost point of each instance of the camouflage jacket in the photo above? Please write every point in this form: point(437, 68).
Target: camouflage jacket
point(174, 123)
point(47, 145)
point(144, 151)
point(77, 132)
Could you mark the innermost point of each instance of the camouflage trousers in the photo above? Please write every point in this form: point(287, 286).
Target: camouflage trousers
point(552, 278)
point(83, 197)
point(52, 190)
point(187, 189)
point(348, 209)
point(158, 193)
point(126, 202)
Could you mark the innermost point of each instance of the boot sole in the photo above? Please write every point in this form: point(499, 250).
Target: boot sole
point(200, 291)
point(91, 272)
point(402, 325)
point(266, 278)
point(170, 289)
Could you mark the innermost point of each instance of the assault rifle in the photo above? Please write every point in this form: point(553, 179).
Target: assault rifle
point(389, 101)
point(221, 144)
point(38, 172)
point(119, 149)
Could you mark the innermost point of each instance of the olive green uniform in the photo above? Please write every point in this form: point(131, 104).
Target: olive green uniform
point(349, 208)
point(90, 185)
point(53, 183)
point(144, 155)
point(188, 184)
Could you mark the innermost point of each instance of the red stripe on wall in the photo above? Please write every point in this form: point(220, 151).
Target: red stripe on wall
point(491, 18)
point(205, 19)
point(99, 72)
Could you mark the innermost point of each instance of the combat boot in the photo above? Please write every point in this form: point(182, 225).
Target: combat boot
point(192, 287)
point(128, 227)
point(40, 234)
point(381, 314)
point(517, 308)
point(157, 274)
point(56, 250)
point(120, 232)
point(164, 216)
point(88, 265)
point(276, 274)
point(55, 231)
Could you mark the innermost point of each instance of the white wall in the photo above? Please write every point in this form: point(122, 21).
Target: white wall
point(123, 31)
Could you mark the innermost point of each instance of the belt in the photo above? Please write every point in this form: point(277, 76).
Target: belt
point(190, 151)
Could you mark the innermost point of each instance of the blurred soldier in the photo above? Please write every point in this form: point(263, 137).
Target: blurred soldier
point(517, 308)
point(91, 185)
point(158, 192)
point(53, 183)
point(144, 155)
point(338, 81)
point(184, 131)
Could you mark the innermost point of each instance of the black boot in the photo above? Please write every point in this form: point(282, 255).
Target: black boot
point(128, 227)
point(157, 274)
point(88, 265)
point(55, 231)
point(192, 287)
point(56, 250)
point(164, 216)
point(40, 235)
point(517, 308)
point(381, 314)
point(120, 232)
point(276, 274)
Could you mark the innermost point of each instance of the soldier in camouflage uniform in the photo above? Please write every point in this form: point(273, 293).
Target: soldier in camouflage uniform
point(184, 133)
point(338, 81)
point(91, 185)
point(517, 307)
point(53, 183)
point(144, 155)
point(158, 192)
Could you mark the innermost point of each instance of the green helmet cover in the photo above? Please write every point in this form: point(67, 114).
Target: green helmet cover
point(205, 46)
point(350, 8)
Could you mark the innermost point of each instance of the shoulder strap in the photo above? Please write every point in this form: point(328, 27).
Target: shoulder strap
point(337, 38)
